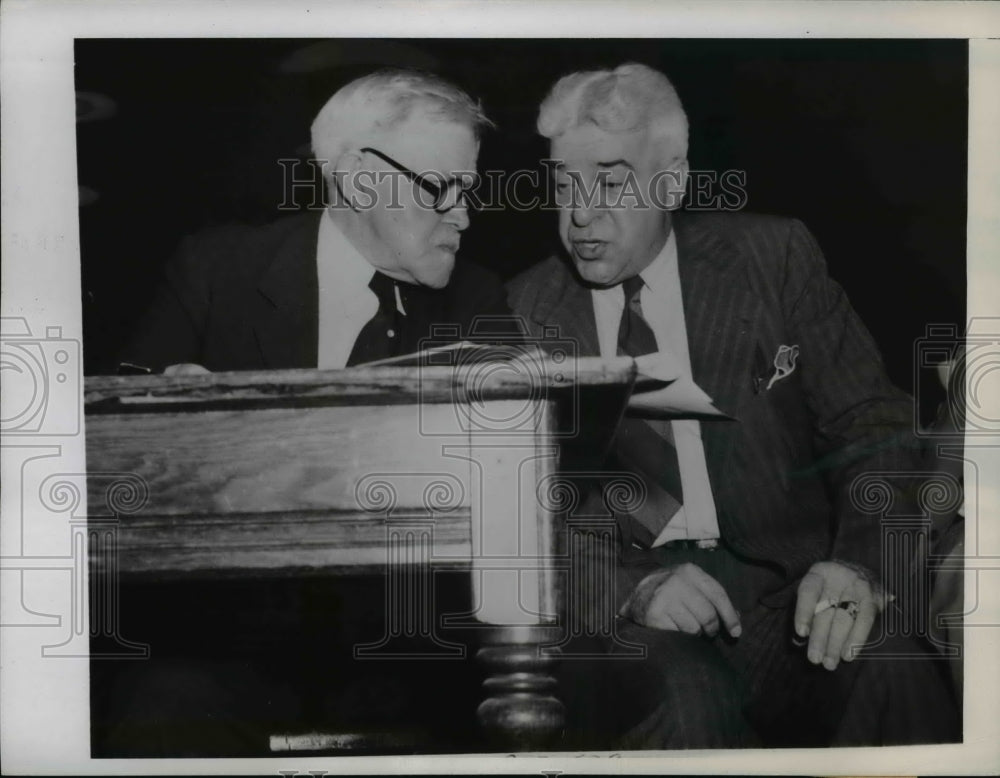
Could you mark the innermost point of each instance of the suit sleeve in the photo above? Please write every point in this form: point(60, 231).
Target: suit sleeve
point(171, 331)
point(862, 423)
point(482, 307)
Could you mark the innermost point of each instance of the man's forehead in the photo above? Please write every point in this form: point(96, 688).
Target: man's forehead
point(426, 143)
point(588, 145)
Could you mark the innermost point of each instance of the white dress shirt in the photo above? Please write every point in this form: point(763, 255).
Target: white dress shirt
point(346, 303)
point(663, 309)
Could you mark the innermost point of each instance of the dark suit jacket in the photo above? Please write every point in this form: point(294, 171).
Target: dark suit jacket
point(782, 473)
point(246, 298)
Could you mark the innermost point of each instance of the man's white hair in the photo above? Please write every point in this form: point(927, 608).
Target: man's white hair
point(371, 105)
point(629, 98)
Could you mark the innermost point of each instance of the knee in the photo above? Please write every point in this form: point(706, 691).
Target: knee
point(682, 661)
point(695, 698)
point(899, 674)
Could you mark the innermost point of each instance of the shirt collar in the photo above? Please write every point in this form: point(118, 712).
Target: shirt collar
point(340, 258)
point(343, 264)
point(657, 275)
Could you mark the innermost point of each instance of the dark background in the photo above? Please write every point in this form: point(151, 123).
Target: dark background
point(865, 141)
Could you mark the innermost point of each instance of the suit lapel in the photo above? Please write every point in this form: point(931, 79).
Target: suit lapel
point(722, 316)
point(286, 318)
point(720, 312)
point(566, 304)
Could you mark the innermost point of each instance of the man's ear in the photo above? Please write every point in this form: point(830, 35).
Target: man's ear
point(671, 185)
point(348, 189)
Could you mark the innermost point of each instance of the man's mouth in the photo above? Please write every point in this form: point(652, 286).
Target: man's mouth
point(589, 249)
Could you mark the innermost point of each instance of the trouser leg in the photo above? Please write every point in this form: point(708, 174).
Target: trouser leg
point(894, 693)
point(681, 694)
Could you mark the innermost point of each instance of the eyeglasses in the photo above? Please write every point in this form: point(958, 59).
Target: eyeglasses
point(444, 196)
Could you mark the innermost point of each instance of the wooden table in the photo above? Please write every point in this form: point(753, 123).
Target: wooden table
point(394, 469)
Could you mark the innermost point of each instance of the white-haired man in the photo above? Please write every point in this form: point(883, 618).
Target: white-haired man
point(750, 573)
point(364, 279)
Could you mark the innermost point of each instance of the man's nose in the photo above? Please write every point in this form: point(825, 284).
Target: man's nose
point(458, 215)
point(582, 214)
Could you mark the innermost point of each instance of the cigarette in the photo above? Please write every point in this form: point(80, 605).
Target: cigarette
point(824, 605)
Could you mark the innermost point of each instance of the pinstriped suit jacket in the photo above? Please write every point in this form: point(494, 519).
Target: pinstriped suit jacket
point(782, 473)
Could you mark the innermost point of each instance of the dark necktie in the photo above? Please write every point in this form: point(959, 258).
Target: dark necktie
point(646, 446)
point(382, 334)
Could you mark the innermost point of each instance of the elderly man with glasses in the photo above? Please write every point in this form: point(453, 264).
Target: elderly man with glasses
point(364, 279)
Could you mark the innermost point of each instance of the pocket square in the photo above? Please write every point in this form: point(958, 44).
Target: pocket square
point(784, 364)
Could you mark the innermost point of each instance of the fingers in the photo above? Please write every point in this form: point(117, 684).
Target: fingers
point(686, 599)
point(840, 628)
point(678, 605)
point(816, 593)
point(691, 617)
point(668, 624)
point(686, 620)
point(867, 611)
point(805, 606)
point(836, 608)
point(185, 368)
point(722, 606)
point(819, 635)
point(702, 610)
point(661, 613)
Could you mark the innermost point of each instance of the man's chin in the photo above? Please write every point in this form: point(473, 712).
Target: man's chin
point(438, 276)
point(438, 283)
point(596, 272)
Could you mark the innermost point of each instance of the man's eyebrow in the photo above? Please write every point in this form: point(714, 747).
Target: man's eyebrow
point(616, 163)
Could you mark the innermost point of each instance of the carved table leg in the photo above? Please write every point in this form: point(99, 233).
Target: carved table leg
point(521, 712)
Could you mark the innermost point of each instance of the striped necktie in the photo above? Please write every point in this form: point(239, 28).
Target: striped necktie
point(646, 446)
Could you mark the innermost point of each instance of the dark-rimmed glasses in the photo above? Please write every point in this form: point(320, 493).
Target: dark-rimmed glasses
point(444, 196)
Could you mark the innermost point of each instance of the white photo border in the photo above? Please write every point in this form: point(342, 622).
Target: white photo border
point(45, 709)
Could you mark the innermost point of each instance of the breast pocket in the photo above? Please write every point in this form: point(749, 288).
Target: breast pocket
point(777, 429)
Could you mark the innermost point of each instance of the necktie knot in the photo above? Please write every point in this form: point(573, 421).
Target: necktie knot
point(380, 337)
point(632, 287)
point(635, 337)
point(385, 290)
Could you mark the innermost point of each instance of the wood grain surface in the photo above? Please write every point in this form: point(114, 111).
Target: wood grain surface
point(259, 461)
point(305, 470)
point(357, 386)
